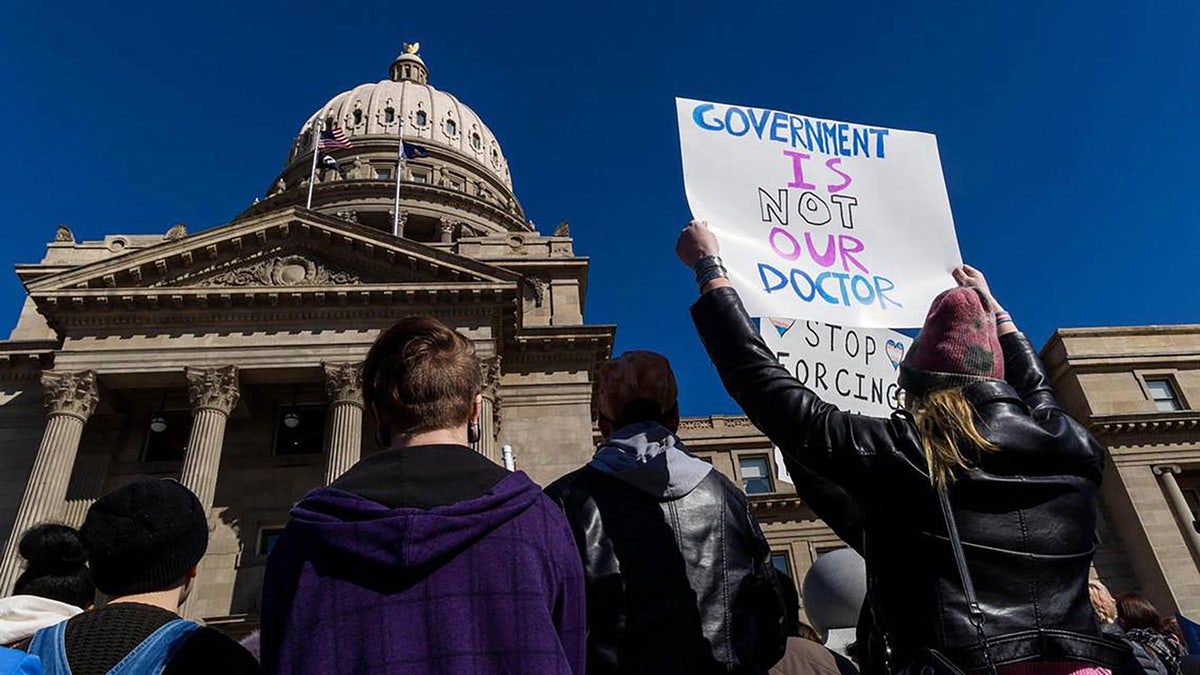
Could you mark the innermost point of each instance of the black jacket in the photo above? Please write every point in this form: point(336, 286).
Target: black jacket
point(673, 585)
point(1027, 516)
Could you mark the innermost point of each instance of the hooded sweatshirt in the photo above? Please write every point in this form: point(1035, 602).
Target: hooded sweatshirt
point(489, 584)
point(23, 615)
point(652, 459)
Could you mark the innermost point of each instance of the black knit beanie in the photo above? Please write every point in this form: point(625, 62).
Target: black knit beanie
point(144, 537)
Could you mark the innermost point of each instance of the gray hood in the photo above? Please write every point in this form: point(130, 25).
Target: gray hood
point(652, 459)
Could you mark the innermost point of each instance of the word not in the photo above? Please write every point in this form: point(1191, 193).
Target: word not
point(830, 138)
point(811, 208)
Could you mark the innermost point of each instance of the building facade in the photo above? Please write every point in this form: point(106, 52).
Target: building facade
point(230, 358)
point(1138, 390)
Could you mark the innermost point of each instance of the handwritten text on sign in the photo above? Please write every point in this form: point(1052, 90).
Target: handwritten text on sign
point(853, 368)
point(821, 220)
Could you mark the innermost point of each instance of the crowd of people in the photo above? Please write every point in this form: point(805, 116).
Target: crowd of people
point(969, 516)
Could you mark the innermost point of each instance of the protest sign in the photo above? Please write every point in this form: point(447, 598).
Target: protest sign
point(853, 368)
point(822, 220)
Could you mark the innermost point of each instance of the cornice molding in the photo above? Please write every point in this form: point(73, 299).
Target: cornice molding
point(1141, 423)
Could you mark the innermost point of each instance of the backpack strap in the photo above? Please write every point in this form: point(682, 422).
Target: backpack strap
point(49, 645)
point(152, 655)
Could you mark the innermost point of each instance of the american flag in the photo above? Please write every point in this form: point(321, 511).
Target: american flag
point(333, 138)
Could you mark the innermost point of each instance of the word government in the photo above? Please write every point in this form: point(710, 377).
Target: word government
point(830, 138)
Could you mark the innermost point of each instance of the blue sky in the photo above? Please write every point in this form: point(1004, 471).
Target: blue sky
point(1068, 131)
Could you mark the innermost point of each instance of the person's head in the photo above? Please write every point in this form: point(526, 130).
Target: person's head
point(145, 537)
point(55, 566)
point(421, 376)
point(791, 604)
point(1135, 611)
point(638, 386)
point(807, 632)
point(956, 347)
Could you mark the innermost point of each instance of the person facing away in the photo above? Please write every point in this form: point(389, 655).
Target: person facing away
point(425, 557)
point(677, 569)
point(806, 653)
point(54, 586)
point(1144, 626)
point(979, 421)
point(143, 543)
point(1105, 606)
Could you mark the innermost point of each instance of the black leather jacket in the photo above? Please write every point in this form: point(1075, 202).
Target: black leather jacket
point(673, 585)
point(1027, 516)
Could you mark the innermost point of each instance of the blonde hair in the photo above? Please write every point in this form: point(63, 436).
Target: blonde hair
point(944, 419)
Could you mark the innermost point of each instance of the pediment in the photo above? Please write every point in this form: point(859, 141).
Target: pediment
point(296, 250)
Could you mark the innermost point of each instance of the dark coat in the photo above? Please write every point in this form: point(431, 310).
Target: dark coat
point(674, 585)
point(1027, 516)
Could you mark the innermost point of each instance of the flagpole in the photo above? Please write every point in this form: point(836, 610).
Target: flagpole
point(399, 174)
point(312, 174)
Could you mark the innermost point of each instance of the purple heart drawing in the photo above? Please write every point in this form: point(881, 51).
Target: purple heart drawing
point(895, 352)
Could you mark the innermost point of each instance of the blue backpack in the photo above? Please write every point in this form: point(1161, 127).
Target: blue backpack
point(14, 662)
point(148, 658)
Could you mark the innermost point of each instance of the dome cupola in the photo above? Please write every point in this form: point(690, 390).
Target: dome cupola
point(409, 67)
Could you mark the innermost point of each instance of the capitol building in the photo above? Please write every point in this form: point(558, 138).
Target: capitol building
point(230, 357)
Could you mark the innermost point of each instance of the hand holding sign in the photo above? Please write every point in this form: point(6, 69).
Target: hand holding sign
point(695, 242)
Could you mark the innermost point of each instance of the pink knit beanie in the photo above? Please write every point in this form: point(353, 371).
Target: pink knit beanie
point(957, 345)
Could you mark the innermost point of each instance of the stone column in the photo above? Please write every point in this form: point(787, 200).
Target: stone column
point(213, 393)
point(447, 230)
point(489, 410)
point(399, 222)
point(343, 439)
point(1179, 507)
point(70, 399)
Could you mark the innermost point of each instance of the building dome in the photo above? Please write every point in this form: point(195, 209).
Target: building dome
point(433, 118)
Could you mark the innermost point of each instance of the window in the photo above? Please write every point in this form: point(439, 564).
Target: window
point(389, 115)
point(384, 173)
point(782, 562)
point(451, 128)
point(419, 177)
point(1162, 392)
point(705, 458)
point(476, 142)
point(357, 117)
point(300, 430)
point(422, 118)
point(756, 475)
point(170, 444)
point(267, 538)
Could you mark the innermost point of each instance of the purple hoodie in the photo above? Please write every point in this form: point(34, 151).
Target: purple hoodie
point(488, 585)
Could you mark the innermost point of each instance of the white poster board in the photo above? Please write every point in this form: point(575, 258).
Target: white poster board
point(831, 221)
point(853, 368)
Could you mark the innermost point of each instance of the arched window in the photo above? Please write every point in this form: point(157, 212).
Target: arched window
point(451, 128)
point(329, 122)
point(357, 117)
point(476, 142)
point(495, 156)
point(389, 115)
point(422, 118)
